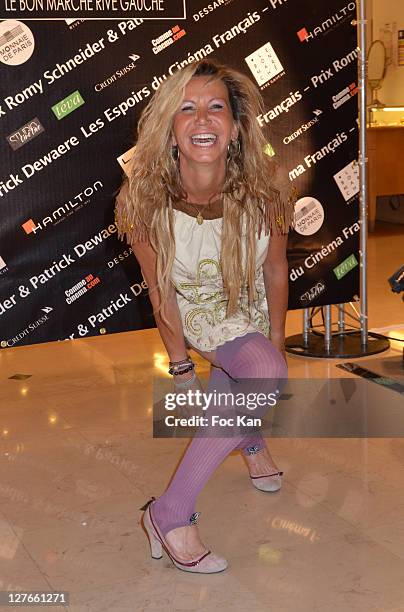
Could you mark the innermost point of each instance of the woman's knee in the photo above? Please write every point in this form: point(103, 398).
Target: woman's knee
point(257, 357)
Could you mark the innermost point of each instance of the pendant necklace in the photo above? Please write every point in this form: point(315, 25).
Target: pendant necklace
point(199, 219)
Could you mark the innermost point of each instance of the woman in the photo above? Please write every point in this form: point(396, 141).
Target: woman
point(206, 212)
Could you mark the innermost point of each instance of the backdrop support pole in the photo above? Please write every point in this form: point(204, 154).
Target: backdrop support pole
point(327, 324)
point(347, 343)
point(363, 172)
point(306, 326)
point(341, 318)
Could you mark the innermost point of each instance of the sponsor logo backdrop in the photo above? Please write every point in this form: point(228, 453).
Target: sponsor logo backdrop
point(70, 96)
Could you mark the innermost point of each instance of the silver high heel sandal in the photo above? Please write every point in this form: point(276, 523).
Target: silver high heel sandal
point(267, 482)
point(207, 563)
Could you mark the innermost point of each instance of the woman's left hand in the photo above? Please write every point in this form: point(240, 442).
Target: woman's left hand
point(279, 343)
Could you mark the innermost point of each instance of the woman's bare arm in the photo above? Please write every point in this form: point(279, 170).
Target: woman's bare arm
point(173, 339)
point(275, 270)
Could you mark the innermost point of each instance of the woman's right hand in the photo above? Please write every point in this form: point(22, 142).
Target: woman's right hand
point(189, 382)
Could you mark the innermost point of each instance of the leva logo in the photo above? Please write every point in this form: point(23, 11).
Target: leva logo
point(346, 266)
point(67, 105)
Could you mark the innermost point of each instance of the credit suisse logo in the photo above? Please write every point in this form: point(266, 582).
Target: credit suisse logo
point(118, 74)
point(31, 327)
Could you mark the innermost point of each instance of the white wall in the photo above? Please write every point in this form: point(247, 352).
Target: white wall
point(381, 12)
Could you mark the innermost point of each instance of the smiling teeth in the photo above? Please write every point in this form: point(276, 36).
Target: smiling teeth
point(204, 140)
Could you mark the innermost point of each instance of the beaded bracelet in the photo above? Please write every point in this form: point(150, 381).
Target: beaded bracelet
point(181, 370)
point(176, 363)
point(184, 371)
point(181, 367)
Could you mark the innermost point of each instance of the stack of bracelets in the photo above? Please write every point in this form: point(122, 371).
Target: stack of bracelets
point(181, 367)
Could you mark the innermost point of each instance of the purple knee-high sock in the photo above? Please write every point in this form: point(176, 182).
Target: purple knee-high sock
point(250, 356)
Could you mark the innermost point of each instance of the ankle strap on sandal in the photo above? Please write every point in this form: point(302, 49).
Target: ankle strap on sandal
point(194, 518)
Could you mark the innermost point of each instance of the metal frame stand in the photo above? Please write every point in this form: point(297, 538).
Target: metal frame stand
point(336, 338)
point(345, 342)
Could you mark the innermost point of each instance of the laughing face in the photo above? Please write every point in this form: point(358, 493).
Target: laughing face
point(204, 125)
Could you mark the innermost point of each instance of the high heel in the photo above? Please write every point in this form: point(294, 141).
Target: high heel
point(156, 548)
point(207, 563)
point(267, 482)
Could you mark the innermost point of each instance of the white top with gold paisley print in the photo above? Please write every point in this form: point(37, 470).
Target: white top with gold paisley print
point(197, 277)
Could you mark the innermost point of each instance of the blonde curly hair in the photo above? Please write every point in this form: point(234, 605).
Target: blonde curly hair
point(255, 188)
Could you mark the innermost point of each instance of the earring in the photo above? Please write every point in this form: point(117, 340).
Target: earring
point(175, 152)
point(233, 149)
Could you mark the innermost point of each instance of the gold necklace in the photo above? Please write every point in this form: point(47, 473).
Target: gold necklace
point(199, 219)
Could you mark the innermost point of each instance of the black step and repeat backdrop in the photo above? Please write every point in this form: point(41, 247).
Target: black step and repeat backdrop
point(71, 92)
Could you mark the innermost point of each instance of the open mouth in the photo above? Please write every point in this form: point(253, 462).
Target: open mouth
point(203, 140)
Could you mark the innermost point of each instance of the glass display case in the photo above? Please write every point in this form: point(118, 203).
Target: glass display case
point(386, 116)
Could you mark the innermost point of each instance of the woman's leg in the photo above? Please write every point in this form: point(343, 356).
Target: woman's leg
point(264, 463)
point(254, 447)
point(251, 356)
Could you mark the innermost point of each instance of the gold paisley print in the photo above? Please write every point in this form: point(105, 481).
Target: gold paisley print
point(211, 303)
point(212, 316)
point(197, 292)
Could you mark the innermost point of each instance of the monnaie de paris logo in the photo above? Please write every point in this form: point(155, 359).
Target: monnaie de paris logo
point(16, 42)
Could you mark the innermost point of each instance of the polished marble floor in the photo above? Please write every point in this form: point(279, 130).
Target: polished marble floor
point(77, 461)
